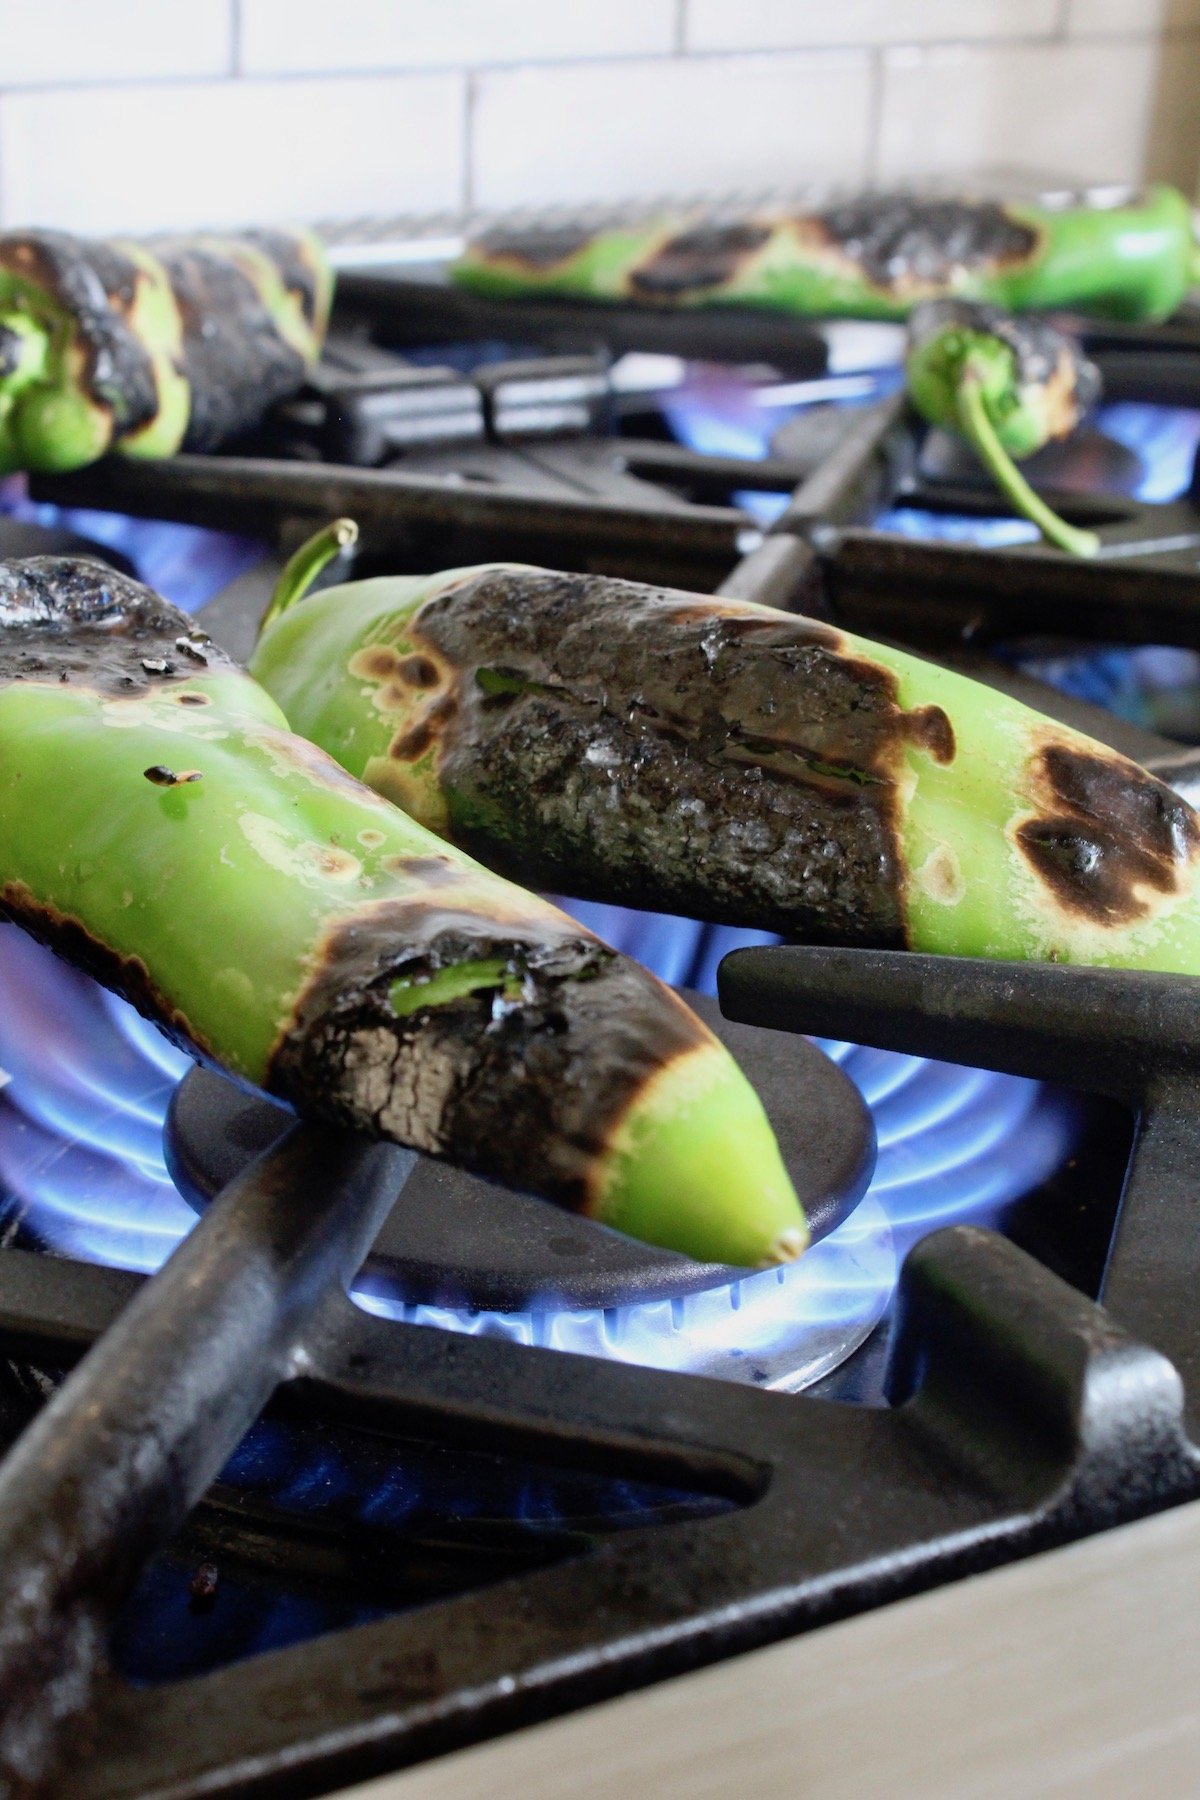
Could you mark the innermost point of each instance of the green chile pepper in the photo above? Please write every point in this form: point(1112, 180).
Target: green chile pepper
point(874, 257)
point(724, 760)
point(152, 347)
point(161, 827)
point(1009, 386)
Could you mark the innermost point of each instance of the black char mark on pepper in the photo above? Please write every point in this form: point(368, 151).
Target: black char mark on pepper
point(96, 284)
point(930, 729)
point(535, 1076)
point(66, 618)
point(291, 258)
point(234, 357)
point(536, 249)
point(1107, 829)
point(896, 239)
point(705, 256)
point(634, 744)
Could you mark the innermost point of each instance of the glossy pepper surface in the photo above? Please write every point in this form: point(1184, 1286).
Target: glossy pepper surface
point(1010, 386)
point(873, 257)
point(731, 762)
point(145, 348)
point(161, 827)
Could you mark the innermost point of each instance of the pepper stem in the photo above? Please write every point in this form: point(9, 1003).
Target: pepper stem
point(978, 428)
point(301, 570)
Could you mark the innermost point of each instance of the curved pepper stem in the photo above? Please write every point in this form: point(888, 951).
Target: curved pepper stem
point(976, 426)
point(302, 569)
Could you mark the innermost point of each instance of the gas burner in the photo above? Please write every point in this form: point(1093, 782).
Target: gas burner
point(454, 1241)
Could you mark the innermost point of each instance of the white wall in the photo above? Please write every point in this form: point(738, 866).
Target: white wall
point(141, 114)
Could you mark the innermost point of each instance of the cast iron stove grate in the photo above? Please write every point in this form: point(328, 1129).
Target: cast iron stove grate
point(1024, 1416)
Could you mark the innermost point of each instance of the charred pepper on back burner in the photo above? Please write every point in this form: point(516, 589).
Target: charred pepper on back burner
point(284, 921)
point(1009, 386)
point(724, 760)
point(150, 347)
point(874, 257)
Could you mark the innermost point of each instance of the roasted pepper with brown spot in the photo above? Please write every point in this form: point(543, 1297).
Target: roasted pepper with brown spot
point(711, 757)
point(1009, 386)
point(146, 348)
point(875, 256)
point(161, 827)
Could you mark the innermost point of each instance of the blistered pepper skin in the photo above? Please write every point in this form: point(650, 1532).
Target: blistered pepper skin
point(727, 761)
point(145, 348)
point(875, 257)
point(161, 827)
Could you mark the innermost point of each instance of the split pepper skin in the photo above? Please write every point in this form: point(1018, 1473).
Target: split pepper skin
point(873, 257)
point(1010, 386)
point(163, 830)
point(146, 348)
point(728, 761)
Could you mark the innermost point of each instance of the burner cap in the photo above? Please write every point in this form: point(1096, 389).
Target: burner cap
point(454, 1240)
point(1088, 462)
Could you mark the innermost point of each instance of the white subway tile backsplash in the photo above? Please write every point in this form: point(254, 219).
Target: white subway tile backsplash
point(141, 114)
point(285, 36)
point(1124, 18)
point(48, 41)
point(680, 126)
point(787, 24)
point(1077, 110)
point(144, 158)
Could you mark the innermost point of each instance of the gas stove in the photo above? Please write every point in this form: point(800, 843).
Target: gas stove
point(379, 1463)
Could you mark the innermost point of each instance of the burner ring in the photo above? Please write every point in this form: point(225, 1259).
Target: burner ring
point(454, 1240)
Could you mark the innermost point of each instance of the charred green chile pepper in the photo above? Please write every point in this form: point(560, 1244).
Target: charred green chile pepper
point(161, 827)
point(874, 257)
point(735, 763)
point(152, 347)
point(1009, 386)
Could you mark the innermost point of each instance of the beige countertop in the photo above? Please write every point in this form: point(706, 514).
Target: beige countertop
point(1072, 1673)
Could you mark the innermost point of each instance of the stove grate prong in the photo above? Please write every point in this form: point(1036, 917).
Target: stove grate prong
point(129, 1443)
point(1109, 1031)
point(1131, 1035)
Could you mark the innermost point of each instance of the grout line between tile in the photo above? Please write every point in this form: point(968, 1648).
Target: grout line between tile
point(468, 143)
point(875, 78)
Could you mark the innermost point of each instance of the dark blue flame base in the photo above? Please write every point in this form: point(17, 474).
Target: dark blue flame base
point(360, 1528)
